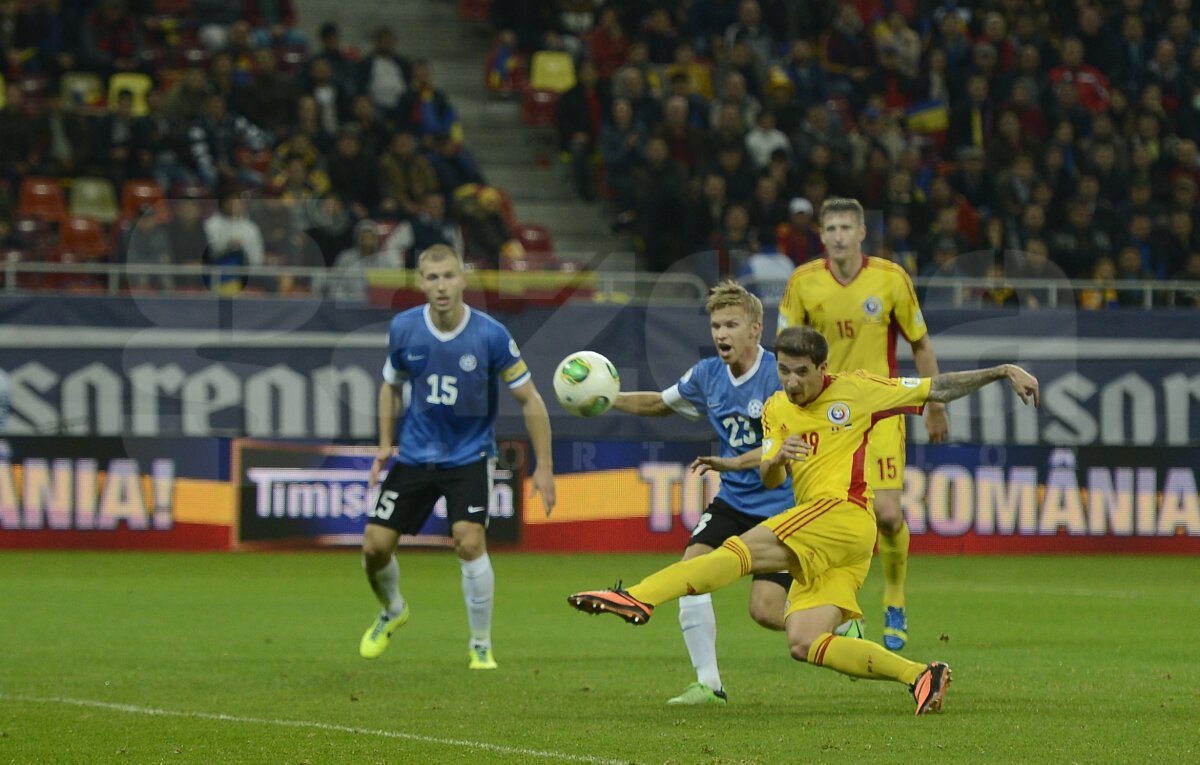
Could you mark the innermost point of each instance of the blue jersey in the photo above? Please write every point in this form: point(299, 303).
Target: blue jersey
point(734, 409)
point(455, 380)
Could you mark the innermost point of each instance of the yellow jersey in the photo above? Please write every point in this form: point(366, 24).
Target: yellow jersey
point(835, 425)
point(859, 319)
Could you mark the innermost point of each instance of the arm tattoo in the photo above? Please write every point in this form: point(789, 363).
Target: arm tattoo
point(951, 385)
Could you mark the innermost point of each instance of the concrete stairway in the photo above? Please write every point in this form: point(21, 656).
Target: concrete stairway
point(522, 160)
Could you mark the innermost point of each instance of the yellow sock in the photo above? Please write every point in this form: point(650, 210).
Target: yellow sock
point(705, 573)
point(893, 555)
point(862, 658)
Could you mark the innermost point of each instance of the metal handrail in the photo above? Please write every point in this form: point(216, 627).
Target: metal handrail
point(605, 286)
point(963, 291)
point(615, 286)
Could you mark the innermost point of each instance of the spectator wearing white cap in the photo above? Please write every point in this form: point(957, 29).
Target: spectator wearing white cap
point(796, 237)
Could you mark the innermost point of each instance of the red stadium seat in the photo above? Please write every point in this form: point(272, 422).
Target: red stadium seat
point(538, 107)
point(68, 280)
point(535, 238)
point(41, 198)
point(37, 232)
point(474, 10)
point(83, 237)
point(539, 249)
point(177, 8)
point(33, 87)
point(138, 192)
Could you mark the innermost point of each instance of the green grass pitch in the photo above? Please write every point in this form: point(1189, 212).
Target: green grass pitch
point(252, 658)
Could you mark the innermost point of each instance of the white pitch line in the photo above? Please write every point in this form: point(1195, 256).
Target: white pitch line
point(219, 717)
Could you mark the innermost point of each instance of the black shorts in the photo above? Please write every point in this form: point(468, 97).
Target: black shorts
point(721, 521)
point(409, 493)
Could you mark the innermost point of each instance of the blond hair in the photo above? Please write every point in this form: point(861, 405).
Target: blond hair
point(843, 205)
point(438, 252)
point(728, 294)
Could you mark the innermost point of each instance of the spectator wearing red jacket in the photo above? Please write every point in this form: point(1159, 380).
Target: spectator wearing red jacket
point(795, 237)
point(608, 44)
point(1091, 85)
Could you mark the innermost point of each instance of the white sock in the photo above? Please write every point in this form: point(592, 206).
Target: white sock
point(699, 625)
point(385, 583)
point(479, 590)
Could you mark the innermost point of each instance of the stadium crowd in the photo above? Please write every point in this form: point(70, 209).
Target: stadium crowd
point(267, 148)
point(1066, 132)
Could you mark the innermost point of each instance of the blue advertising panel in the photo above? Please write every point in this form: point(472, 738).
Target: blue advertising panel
point(308, 370)
point(304, 493)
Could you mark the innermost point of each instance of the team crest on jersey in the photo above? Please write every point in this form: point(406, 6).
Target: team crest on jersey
point(910, 382)
point(838, 413)
point(873, 307)
point(754, 408)
point(467, 362)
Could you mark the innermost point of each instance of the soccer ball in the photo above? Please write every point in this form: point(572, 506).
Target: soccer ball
point(586, 384)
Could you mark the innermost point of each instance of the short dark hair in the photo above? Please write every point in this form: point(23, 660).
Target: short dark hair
point(803, 341)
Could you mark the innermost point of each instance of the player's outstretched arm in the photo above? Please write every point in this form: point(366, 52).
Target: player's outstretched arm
point(937, 422)
point(951, 385)
point(537, 423)
point(643, 403)
point(744, 461)
point(389, 408)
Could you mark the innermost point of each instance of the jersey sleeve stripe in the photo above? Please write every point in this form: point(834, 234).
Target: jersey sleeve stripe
point(857, 491)
point(672, 398)
point(390, 374)
point(916, 304)
point(915, 409)
point(517, 383)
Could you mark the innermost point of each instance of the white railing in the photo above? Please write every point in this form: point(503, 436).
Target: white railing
point(601, 286)
point(115, 279)
point(967, 292)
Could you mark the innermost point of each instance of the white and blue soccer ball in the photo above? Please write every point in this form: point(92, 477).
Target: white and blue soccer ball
point(586, 384)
